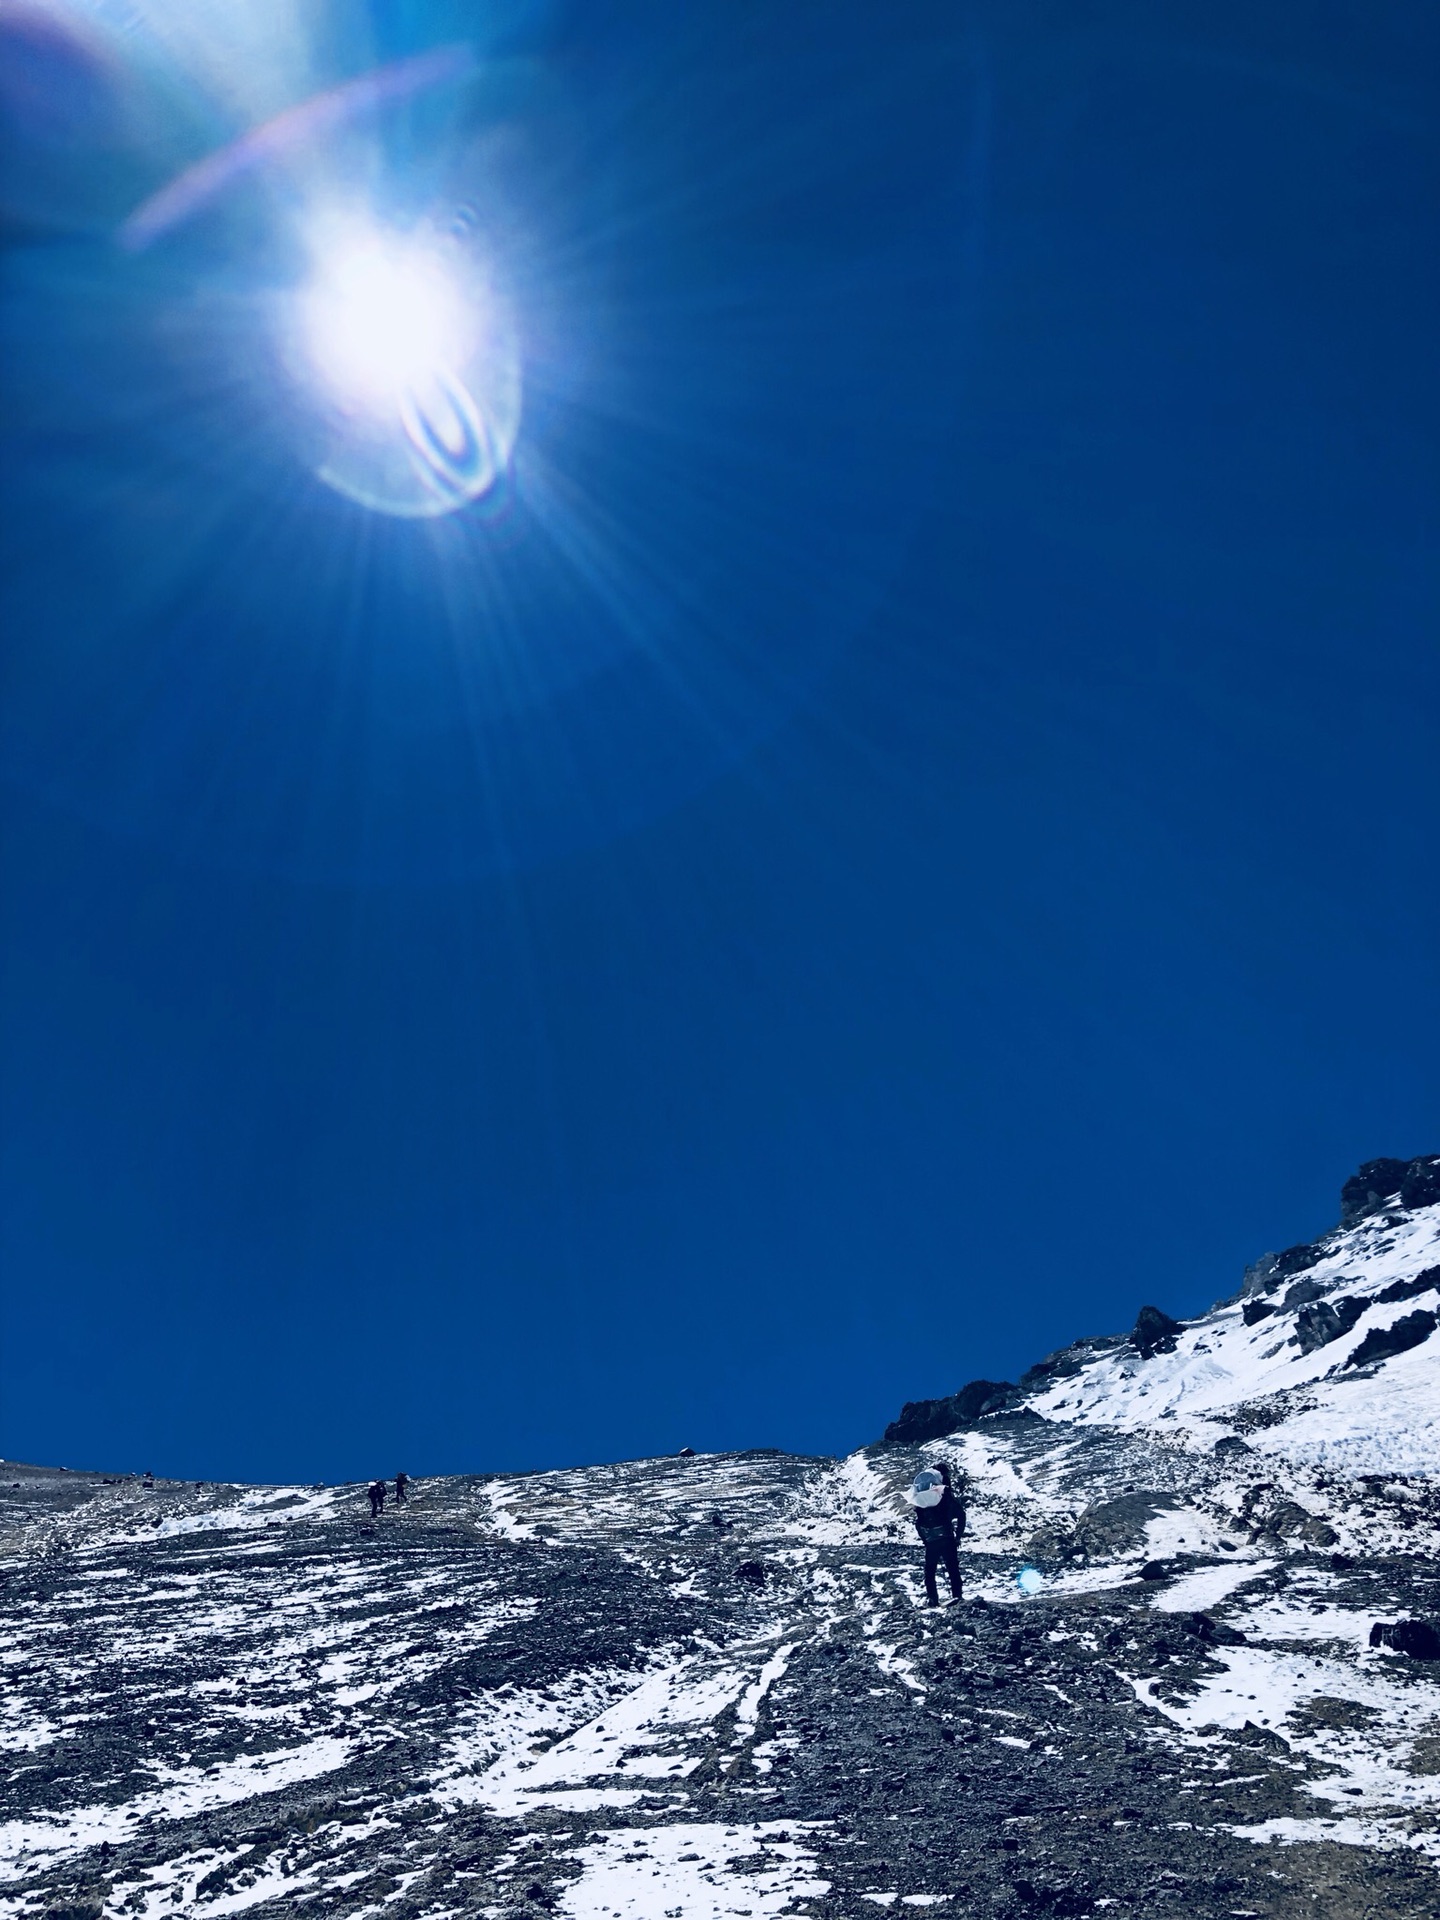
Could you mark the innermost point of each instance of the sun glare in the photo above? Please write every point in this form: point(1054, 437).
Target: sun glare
point(406, 363)
point(382, 319)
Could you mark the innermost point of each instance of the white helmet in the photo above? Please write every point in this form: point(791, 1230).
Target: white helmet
point(928, 1489)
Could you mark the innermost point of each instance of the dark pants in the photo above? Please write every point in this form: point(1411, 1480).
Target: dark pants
point(377, 1501)
point(938, 1547)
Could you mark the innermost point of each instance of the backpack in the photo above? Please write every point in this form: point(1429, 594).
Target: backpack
point(940, 1530)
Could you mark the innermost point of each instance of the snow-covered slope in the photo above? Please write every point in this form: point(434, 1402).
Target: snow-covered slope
point(1326, 1405)
point(708, 1688)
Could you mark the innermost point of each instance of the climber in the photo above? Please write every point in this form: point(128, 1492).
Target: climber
point(377, 1497)
point(939, 1520)
point(402, 1481)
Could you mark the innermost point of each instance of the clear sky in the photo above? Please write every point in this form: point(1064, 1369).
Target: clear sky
point(905, 828)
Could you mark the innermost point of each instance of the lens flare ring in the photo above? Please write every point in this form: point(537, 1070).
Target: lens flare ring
point(409, 362)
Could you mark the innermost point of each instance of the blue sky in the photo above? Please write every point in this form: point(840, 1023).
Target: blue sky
point(906, 833)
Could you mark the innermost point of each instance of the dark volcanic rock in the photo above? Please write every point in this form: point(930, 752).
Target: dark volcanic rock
point(1288, 1520)
point(1371, 1187)
point(1418, 1283)
point(1108, 1527)
point(1066, 1361)
point(1256, 1310)
point(981, 1397)
point(1417, 1638)
point(1259, 1276)
point(1382, 1342)
point(1316, 1326)
point(1296, 1260)
point(1155, 1332)
point(922, 1420)
point(1421, 1185)
point(1302, 1293)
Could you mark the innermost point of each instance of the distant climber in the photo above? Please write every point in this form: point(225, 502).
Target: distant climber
point(402, 1483)
point(939, 1521)
point(377, 1498)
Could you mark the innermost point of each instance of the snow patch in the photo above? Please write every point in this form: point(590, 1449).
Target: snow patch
point(666, 1873)
point(27, 1845)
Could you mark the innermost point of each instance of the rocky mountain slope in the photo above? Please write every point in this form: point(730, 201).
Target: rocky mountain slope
point(701, 1687)
point(1312, 1352)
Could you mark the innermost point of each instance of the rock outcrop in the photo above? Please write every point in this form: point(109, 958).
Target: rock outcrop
point(1427, 1281)
point(1154, 1332)
point(1316, 1326)
point(1421, 1185)
point(1414, 1183)
point(1296, 1259)
point(1410, 1330)
point(922, 1420)
point(1298, 1290)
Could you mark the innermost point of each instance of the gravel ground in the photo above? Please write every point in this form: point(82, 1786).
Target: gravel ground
point(693, 1688)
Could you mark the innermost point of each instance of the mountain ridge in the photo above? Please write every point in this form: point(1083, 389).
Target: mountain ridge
point(1384, 1240)
point(706, 1687)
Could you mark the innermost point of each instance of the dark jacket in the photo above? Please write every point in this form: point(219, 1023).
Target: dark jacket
point(946, 1517)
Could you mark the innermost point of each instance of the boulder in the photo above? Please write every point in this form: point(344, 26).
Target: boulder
point(1110, 1527)
point(1301, 1293)
point(1230, 1445)
point(1382, 1342)
point(1285, 1519)
point(1154, 1332)
point(1256, 1310)
point(1215, 1633)
point(1316, 1326)
point(1319, 1532)
point(1417, 1638)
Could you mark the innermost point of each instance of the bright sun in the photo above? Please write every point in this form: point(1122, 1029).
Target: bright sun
point(381, 319)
